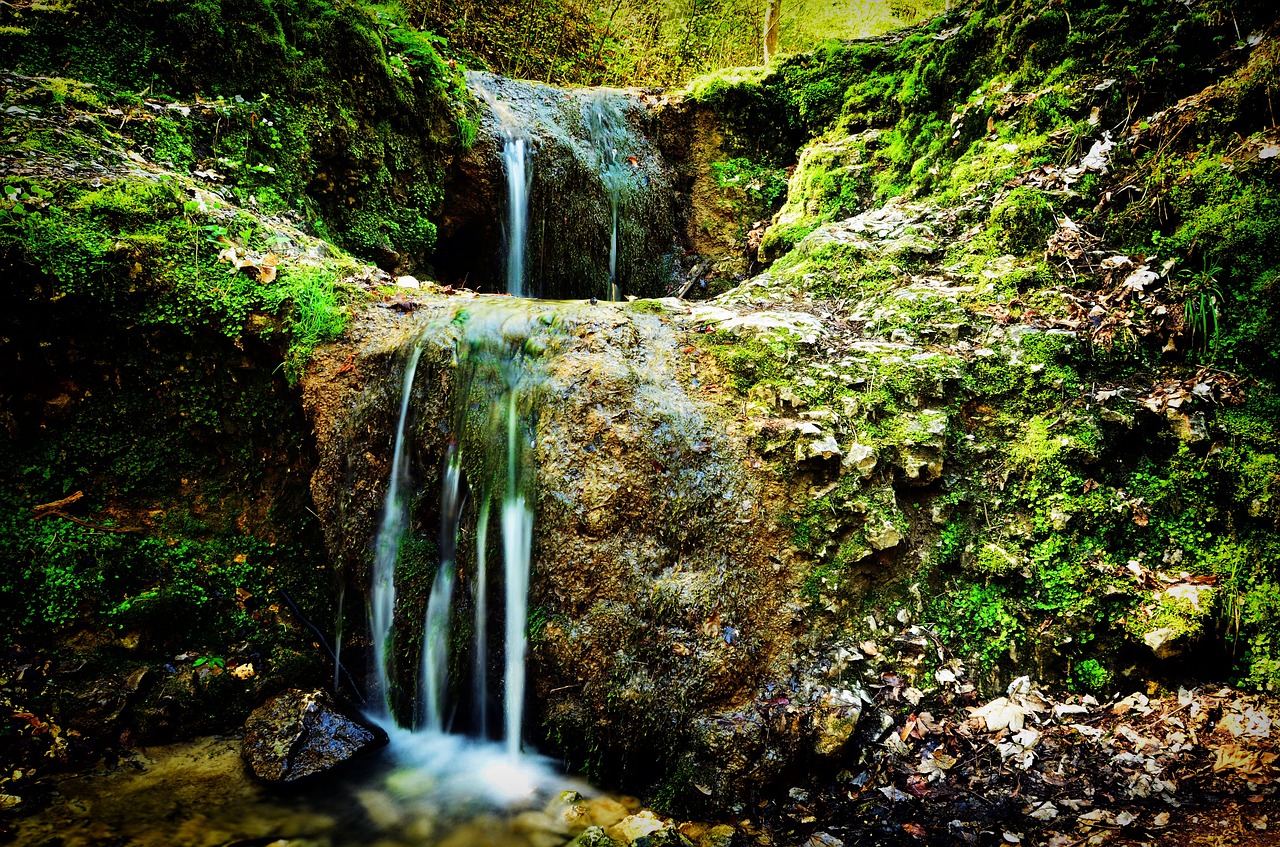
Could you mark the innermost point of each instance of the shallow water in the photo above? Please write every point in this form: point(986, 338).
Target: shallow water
point(422, 790)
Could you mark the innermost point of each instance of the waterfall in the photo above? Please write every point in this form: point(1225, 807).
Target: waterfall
point(499, 346)
point(480, 644)
point(517, 543)
point(516, 164)
point(382, 594)
point(435, 628)
point(609, 132)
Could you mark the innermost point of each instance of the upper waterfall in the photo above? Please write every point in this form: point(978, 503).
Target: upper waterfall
point(576, 172)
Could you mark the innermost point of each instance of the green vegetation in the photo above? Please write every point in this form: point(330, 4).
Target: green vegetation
point(644, 42)
point(280, 121)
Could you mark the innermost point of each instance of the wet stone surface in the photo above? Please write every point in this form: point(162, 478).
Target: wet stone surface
point(298, 734)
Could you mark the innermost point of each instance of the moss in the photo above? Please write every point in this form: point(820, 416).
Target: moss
point(285, 126)
point(1091, 676)
point(1022, 221)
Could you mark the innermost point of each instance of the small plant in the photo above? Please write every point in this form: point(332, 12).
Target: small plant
point(1201, 310)
point(217, 663)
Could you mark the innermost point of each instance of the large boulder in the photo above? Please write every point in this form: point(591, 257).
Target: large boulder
point(298, 733)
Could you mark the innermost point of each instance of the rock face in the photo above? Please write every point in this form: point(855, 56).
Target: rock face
point(660, 568)
point(298, 734)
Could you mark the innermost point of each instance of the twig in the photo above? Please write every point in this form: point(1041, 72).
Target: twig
point(86, 524)
point(355, 689)
point(58, 504)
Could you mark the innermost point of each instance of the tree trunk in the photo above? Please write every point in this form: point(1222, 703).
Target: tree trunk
point(772, 17)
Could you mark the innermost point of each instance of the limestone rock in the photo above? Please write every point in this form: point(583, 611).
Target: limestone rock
point(636, 826)
point(815, 443)
point(1164, 643)
point(592, 836)
point(921, 465)
point(298, 733)
point(860, 458)
point(835, 723)
point(884, 536)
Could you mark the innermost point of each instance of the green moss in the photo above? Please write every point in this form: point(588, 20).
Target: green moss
point(1090, 675)
point(1022, 221)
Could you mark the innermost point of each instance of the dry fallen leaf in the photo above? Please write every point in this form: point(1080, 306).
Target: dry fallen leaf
point(1000, 714)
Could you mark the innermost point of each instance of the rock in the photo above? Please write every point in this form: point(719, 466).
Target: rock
point(93, 706)
point(9, 802)
point(835, 727)
point(540, 829)
point(570, 812)
point(592, 836)
point(636, 826)
point(822, 445)
point(860, 458)
point(605, 811)
point(1189, 428)
point(407, 281)
point(884, 536)
point(922, 465)
point(1163, 642)
point(717, 836)
point(298, 733)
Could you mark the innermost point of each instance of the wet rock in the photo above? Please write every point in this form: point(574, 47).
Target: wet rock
point(540, 829)
point(592, 836)
point(570, 812)
point(637, 826)
point(605, 811)
point(834, 729)
point(298, 733)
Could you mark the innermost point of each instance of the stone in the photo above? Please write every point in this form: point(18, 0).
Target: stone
point(592, 836)
point(860, 458)
point(884, 536)
point(835, 726)
point(570, 812)
point(920, 464)
point(407, 281)
point(720, 835)
point(635, 826)
point(1189, 428)
point(1163, 643)
point(299, 733)
point(605, 811)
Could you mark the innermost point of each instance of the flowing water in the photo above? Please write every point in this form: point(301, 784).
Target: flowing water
point(424, 790)
point(609, 131)
point(382, 593)
point(452, 763)
point(516, 164)
point(499, 347)
point(572, 198)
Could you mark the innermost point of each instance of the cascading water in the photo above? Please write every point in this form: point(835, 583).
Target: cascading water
point(608, 128)
point(498, 347)
point(575, 179)
point(382, 594)
point(516, 163)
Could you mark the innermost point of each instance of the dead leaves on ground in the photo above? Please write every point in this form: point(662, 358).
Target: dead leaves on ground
point(261, 267)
